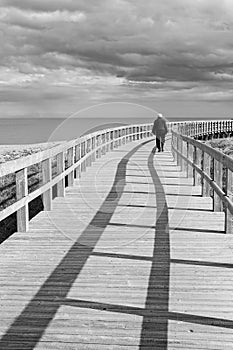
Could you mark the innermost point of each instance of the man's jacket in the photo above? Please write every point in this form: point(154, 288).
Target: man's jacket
point(159, 127)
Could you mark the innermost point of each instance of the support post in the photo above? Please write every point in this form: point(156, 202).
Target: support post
point(93, 143)
point(47, 177)
point(112, 140)
point(60, 169)
point(77, 158)
point(70, 161)
point(229, 193)
point(180, 149)
point(195, 163)
point(83, 153)
point(206, 168)
point(202, 153)
point(184, 161)
point(176, 148)
point(218, 179)
point(190, 157)
point(21, 192)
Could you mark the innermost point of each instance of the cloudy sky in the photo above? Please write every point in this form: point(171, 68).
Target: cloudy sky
point(60, 56)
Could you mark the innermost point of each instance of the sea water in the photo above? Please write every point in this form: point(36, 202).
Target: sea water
point(37, 130)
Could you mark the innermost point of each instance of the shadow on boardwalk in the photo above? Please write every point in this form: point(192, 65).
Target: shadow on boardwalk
point(29, 327)
point(155, 320)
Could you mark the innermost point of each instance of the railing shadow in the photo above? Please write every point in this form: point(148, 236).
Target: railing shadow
point(154, 334)
point(28, 328)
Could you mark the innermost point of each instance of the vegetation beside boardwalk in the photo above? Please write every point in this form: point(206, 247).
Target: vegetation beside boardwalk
point(12, 152)
point(224, 145)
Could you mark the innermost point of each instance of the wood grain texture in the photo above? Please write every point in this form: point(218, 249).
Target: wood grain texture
point(133, 257)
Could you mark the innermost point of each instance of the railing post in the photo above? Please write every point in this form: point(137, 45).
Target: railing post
point(119, 140)
point(21, 192)
point(126, 135)
point(115, 139)
point(83, 153)
point(93, 143)
point(184, 161)
point(131, 134)
point(97, 147)
point(46, 177)
point(173, 146)
point(124, 138)
point(103, 139)
point(176, 148)
point(60, 170)
point(198, 177)
point(229, 193)
point(112, 140)
point(202, 161)
point(218, 179)
point(70, 162)
point(88, 159)
point(190, 157)
point(195, 179)
point(134, 133)
point(77, 158)
point(206, 168)
point(107, 141)
point(180, 149)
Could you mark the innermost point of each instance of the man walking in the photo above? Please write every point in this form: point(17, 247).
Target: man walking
point(160, 130)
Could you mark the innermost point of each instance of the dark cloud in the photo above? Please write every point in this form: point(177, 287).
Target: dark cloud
point(169, 47)
point(52, 5)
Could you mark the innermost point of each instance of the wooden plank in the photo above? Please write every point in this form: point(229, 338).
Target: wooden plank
point(105, 293)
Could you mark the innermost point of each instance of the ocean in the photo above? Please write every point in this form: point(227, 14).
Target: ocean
point(37, 130)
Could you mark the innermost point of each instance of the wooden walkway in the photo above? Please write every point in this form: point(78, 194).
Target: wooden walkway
point(132, 258)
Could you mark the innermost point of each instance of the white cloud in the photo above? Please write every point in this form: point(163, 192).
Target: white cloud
point(123, 48)
point(40, 19)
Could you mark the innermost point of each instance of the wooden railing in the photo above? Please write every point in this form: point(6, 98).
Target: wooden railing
point(205, 128)
point(210, 168)
point(71, 158)
point(74, 156)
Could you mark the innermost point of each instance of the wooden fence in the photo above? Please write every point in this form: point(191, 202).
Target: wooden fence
point(208, 167)
point(74, 156)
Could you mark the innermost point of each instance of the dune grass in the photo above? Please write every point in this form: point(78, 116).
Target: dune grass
point(224, 145)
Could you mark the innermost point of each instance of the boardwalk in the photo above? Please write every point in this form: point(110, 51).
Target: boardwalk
point(131, 258)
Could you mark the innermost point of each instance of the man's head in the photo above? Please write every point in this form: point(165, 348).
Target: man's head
point(160, 115)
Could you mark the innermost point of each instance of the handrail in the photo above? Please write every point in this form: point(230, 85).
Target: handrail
point(209, 167)
point(17, 164)
point(81, 152)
